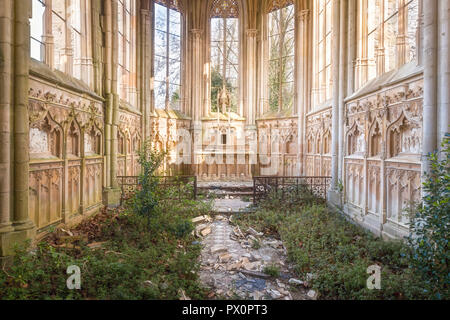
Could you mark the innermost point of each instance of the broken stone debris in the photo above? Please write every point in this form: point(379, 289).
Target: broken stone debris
point(254, 233)
point(201, 219)
point(312, 294)
point(203, 226)
point(231, 267)
point(296, 282)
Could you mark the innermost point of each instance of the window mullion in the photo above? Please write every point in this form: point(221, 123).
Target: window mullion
point(167, 56)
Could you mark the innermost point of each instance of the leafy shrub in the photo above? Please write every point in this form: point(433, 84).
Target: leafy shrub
point(145, 200)
point(430, 226)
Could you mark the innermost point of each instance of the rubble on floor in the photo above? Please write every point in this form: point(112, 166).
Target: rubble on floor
point(232, 267)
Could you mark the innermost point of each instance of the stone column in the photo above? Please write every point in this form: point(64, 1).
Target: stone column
point(111, 194)
point(444, 70)
point(115, 111)
point(263, 51)
point(21, 119)
point(335, 102)
point(97, 47)
point(429, 145)
point(351, 46)
point(401, 36)
point(86, 62)
point(342, 82)
point(144, 70)
point(303, 80)
point(380, 51)
point(48, 38)
point(197, 69)
point(107, 86)
point(196, 95)
point(362, 61)
point(15, 224)
point(68, 50)
point(6, 112)
point(151, 48)
point(250, 107)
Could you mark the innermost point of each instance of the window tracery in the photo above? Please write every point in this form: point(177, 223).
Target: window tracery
point(387, 36)
point(224, 55)
point(59, 37)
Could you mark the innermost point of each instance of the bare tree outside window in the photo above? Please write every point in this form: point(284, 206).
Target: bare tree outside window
point(281, 58)
point(224, 53)
point(167, 56)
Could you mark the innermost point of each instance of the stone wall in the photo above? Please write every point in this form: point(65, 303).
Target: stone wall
point(317, 161)
point(278, 142)
point(66, 153)
point(382, 163)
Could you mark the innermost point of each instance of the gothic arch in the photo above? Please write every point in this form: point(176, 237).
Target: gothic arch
point(121, 142)
point(400, 139)
point(375, 138)
point(94, 133)
point(318, 143)
point(354, 139)
point(271, 5)
point(46, 136)
point(225, 9)
point(73, 137)
point(326, 142)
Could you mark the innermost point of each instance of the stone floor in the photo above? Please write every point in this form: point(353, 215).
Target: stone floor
point(232, 265)
point(229, 205)
point(220, 184)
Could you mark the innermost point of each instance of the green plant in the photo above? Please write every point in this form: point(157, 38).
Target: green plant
point(256, 244)
point(430, 225)
point(340, 186)
point(272, 270)
point(146, 198)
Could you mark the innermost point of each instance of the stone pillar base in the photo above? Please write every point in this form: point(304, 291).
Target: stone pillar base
point(111, 197)
point(9, 239)
point(334, 197)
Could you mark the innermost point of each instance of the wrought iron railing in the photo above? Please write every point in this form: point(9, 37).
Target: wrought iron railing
point(169, 187)
point(263, 186)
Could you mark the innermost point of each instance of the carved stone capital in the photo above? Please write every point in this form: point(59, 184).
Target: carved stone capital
point(251, 32)
point(304, 15)
point(197, 33)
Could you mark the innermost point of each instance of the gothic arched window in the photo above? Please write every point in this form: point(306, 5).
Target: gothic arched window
point(127, 61)
point(387, 36)
point(37, 45)
point(281, 55)
point(322, 51)
point(224, 55)
point(167, 54)
point(59, 36)
point(76, 33)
